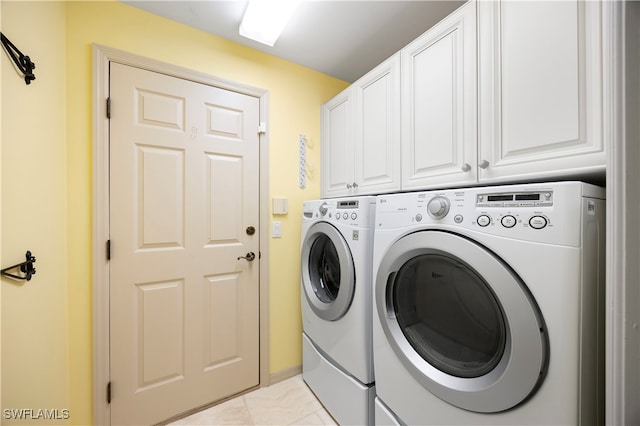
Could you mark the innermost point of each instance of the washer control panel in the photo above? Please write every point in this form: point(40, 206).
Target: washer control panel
point(354, 212)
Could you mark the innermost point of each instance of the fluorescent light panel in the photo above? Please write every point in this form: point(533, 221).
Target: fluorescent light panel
point(264, 20)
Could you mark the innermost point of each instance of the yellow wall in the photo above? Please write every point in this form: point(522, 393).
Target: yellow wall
point(35, 369)
point(0, 214)
point(47, 324)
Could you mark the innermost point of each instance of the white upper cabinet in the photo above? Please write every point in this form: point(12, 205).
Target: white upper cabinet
point(337, 145)
point(361, 135)
point(498, 91)
point(540, 89)
point(439, 112)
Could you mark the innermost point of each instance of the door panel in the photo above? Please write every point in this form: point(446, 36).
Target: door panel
point(224, 188)
point(184, 176)
point(159, 305)
point(160, 187)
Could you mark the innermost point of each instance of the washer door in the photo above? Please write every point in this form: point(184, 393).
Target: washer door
point(461, 321)
point(328, 276)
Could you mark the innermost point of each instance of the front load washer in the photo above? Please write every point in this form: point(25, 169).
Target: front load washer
point(488, 305)
point(336, 300)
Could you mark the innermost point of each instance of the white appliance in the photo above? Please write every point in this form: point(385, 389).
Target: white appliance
point(488, 305)
point(336, 293)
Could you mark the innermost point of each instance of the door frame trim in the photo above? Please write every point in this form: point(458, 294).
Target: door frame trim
point(102, 56)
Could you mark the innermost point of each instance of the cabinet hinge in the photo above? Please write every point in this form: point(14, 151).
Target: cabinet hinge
point(109, 393)
point(108, 107)
point(262, 127)
point(108, 249)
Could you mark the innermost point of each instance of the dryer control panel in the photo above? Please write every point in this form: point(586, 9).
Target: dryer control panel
point(515, 199)
point(535, 212)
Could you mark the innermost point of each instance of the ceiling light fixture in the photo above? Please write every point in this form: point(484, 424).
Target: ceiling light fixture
point(264, 20)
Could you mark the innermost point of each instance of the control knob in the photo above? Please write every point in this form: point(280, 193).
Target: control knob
point(324, 208)
point(438, 207)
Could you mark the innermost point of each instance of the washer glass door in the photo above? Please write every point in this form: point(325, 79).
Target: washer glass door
point(328, 276)
point(461, 321)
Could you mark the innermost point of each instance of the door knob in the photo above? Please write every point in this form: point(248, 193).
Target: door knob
point(250, 256)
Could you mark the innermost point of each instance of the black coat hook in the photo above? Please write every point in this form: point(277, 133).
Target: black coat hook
point(26, 268)
point(22, 62)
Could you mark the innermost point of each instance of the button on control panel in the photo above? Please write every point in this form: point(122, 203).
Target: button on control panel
point(484, 220)
point(508, 221)
point(538, 222)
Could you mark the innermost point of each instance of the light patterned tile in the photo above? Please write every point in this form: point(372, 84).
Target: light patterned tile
point(317, 418)
point(312, 419)
point(289, 402)
point(326, 418)
point(282, 403)
point(232, 412)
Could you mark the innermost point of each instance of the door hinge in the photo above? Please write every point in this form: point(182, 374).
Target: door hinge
point(108, 249)
point(108, 107)
point(109, 393)
point(262, 127)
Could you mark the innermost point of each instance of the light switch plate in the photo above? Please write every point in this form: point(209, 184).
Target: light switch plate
point(276, 229)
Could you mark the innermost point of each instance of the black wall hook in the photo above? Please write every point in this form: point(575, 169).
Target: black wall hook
point(22, 62)
point(26, 268)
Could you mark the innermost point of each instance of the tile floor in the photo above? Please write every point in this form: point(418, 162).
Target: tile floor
point(289, 402)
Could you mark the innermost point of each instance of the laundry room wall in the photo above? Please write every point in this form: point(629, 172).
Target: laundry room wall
point(47, 192)
point(35, 369)
point(0, 214)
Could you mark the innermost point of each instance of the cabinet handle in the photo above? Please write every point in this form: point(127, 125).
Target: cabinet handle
point(466, 167)
point(483, 164)
point(348, 186)
point(355, 185)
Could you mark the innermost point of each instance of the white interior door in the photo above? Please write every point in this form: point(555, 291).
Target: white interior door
point(184, 305)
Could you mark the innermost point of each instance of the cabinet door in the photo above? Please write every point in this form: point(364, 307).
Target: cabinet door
point(337, 145)
point(540, 89)
point(439, 134)
point(377, 129)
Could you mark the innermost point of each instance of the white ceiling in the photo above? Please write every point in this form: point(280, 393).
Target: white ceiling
point(344, 39)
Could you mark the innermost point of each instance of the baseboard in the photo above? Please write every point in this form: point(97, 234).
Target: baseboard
point(284, 374)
